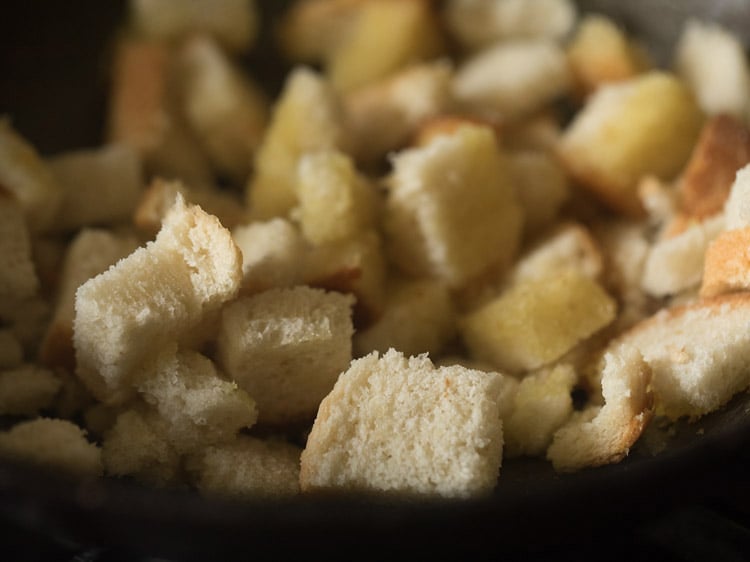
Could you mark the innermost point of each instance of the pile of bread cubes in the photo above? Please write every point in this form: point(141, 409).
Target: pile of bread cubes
point(462, 232)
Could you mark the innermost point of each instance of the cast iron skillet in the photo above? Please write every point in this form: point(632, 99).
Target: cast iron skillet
point(54, 87)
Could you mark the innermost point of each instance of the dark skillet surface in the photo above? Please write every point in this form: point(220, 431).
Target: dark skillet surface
point(53, 85)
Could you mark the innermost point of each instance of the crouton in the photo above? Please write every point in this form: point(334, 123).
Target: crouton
point(18, 277)
point(27, 390)
point(727, 263)
point(737, 205)
point(11, 351)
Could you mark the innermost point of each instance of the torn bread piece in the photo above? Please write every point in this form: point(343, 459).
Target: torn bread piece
point(737, 205)
point(160, 293)
point(285, 348)
point(602, 435)
point(400, 425)
point(27, 390)
point(726, 267)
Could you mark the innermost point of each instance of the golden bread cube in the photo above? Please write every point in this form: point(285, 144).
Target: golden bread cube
point(726, 267)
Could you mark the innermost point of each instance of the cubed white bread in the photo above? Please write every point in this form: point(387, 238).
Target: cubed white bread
point(18, 277)
point(91, 251)
point(698, 353)
point(646, 125)
point(418, 317)
point(713, 61)
point(135, 447)
point(158, 294)
point(52, 443)
point(11, 350)
point(476, 24)
point(234, 23)
point(541, 405)
point(726, 267)
point(27, 390)
point(675, 265)
point(273, 254)
point(286, 347)
point(100, 186)
point(531, 324)
point(382, 116)
point(737, 205)
point(26, 177)
point(400, 425)
point(306, 116)
point(248, 467)
point(198, 405)
point(336, 201)
point(224, 107)
point(451, 211)
point(604, 434)
point(541, 186)
point(513, 79)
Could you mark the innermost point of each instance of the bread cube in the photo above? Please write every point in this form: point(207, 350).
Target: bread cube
point(11, 351)
point(27, 390)
point(25, 176)
point(234, 23)
point(223, 106)
point(726, 267)
point(451, 211)
point(713, 62)
point(306, 116)
point(248, 467)
point(52, 443)
point(336, 202)
point(400, 425)
point(18, 277)
point(158, 294)
point(418, 317)
point(533, 323)
point(285, 348)
point(737, 205)
point(647, 125)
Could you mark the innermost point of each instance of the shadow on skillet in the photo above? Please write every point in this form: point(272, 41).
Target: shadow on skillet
point(53, 84)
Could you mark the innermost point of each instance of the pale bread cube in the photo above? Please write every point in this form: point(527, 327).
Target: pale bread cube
point(233, 23)
point(285, 348)
point(385, 36)
point(158, 294)
point(604, 434)
point(336, 202)
point(533, 323)
point(713, 62)
point(91, 252)
point(249, 467)
point(273, 254)
point(11, 351)
point(18, 276)
point(400, 425)
point(52, 443)
point(224, 107)
point(101, 186)
point(27, 390)
point(477, 24)
point(512, 79)
point(306, 116)
point(26, 177)
point(418, 317)
point(541, 405)
point(451, 212)
point(647, 125)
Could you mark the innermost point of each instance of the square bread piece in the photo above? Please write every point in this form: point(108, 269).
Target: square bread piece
point(401, 425)
point(286, 347)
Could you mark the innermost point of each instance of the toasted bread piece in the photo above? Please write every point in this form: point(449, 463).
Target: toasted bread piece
point(401, 425)
point(18, 277)
point(647, 125)
point(306, 116)
point(234, 23)
point(451, 212)
point(158, 294)
point(11, 351)
point(737, 205)
point(477, 24)
point(223, 105)
point(449, 123)
point(418, 317)
point(27, 390)
point(727, 263)
point(533, 323)
point(52, 443)
point(286, 347)
point(248, 467)
point(542, 403)
point(601, 52)
point(604, 434)
point(91, 252)
point(26, 177)
point(713, 61)
point(722, 149)
point(512, 79)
